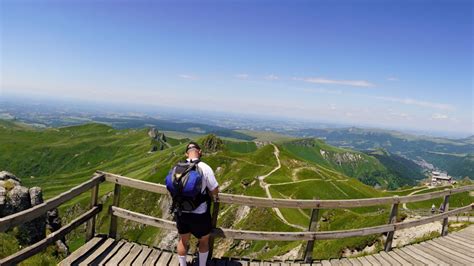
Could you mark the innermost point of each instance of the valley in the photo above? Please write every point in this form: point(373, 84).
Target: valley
point(56, 159)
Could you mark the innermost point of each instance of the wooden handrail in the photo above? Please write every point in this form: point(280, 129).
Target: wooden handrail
point(40, 209)
point(99, 177)
point(51, 238)
point(290, 203)
point(287, 236)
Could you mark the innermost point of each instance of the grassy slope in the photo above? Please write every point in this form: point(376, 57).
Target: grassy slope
point(61, 158)
point(366, 168)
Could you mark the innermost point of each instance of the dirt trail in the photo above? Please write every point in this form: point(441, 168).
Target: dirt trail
point(423, 189)
point(266, 187)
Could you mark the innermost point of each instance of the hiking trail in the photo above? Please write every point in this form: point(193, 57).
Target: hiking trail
point(266, 187)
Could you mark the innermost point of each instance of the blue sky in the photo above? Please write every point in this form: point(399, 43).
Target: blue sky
point(397, 64)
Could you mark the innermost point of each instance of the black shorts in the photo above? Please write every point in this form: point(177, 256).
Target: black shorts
point(197, 224)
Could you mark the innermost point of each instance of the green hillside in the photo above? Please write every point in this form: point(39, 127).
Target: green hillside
point(58, 159)
point(368, 169)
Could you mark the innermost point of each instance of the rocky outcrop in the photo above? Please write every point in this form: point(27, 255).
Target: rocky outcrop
point(16, 198)
point(158, 140)
point(342, 158)
point(212, 143)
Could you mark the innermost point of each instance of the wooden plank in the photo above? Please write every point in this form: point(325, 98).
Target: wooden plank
point(457, 240)
point(392, 219)
point(132, 255)
point(444, 228)
point(287, 203)
point(254, 263)
point(442, 254)
point(120, 255)
point(403, 225)
point(416, 254)
point(215, 215)
point(143, 256)
point(279, 236)
point(401, 260)
point(364, 261)
point(313, 225)
point(40, 209)
point(174, 260)
point(456, 245)
point(81, 251)
point(326, 263)
point(113, 217)
point(345, 262)
point(135, 183)
point(380, 259)
point(407, 257)
point(355, 262)
point(98, 252)
point(90, 229)
point(428, 254)
point(452, 251)
point(462, 240)
point(153, 257)
point(388, 258)
point(108, 255)
point(466, 235)
point(143, 219)
point(372, 260)
point(50, 239)
point(164, 258)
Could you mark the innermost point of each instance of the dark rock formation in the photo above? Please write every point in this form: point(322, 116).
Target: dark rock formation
point(158, 140)
point(212, 143)
point(53, 223)
point(16, 198)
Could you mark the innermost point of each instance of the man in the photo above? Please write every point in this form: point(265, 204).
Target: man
point(198, 221)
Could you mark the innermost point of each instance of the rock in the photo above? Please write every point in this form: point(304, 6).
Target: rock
point(3, 194)
point(36, 196)
point(4, 175)
point(16, 198)
point(19, 199)
point(152, 133)
point(212, 143)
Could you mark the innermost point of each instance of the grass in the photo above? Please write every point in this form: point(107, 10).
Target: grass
point(58, 159)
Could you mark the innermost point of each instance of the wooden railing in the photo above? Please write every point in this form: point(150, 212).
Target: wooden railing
point(310, 236)
point(315, 205)
point(41, 209)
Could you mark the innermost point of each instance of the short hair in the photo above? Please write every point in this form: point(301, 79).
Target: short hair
point(192, 145)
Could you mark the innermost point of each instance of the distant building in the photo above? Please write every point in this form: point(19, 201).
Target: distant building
point(440, 178)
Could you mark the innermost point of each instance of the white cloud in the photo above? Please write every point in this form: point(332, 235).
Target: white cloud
point(439, 116)
point(187, 76)
point(271, 77)
point(392, 79)
point(354, 83)
point(242, 76)
point(409, 101)
point(321, 90)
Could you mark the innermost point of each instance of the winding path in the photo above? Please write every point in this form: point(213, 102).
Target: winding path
point(266, 187)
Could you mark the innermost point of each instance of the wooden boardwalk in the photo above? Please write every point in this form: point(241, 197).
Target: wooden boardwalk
point(454, 249)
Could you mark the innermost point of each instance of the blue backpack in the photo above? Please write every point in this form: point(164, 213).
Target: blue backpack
point(184, 182)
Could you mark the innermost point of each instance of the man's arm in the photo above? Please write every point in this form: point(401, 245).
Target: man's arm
point(215, 194)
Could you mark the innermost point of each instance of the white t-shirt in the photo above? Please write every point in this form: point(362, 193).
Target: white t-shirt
point(208, 181)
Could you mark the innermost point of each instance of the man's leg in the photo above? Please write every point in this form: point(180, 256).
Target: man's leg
point(182, 248)
point(203, 249)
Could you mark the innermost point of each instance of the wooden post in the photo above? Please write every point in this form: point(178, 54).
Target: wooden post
point(113, 218)
point(90, 231)
point(215, 213)
point(313, 224)
point(444, 230)
point(391, 220)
